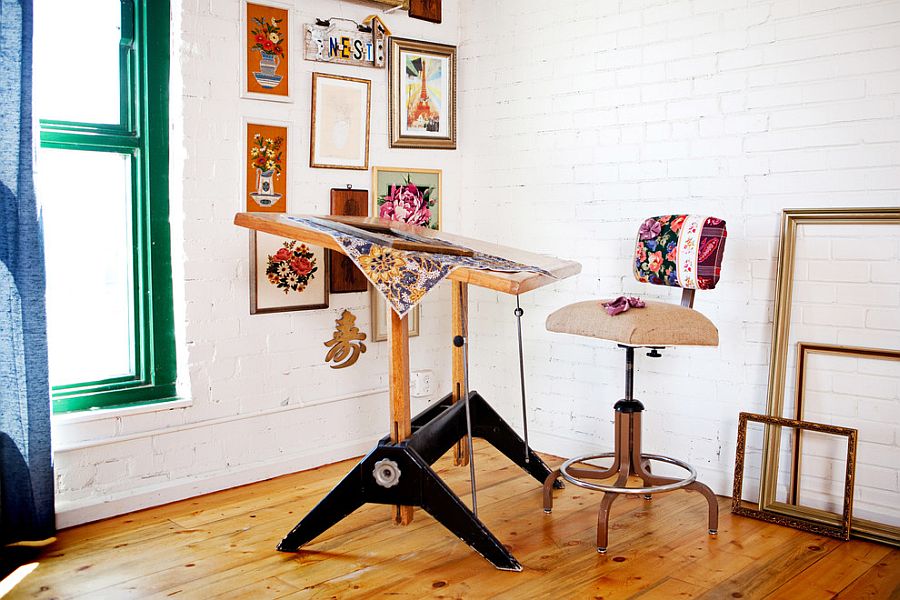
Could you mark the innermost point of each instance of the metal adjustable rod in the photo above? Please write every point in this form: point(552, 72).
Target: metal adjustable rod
point(519, 312)
point(460, 342)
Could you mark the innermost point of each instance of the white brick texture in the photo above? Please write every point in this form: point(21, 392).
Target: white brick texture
point(736, 108)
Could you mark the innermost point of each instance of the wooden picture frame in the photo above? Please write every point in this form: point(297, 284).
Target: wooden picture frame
point(808, 519)
point(865, 528)
point(265, 296)
point(345, 275)
point(426, 10)
point(265, 189)
point(265, 55)
point(381, 317)
point(422, 115)
point(384, 177)
point(792, 219)
point(339, 122)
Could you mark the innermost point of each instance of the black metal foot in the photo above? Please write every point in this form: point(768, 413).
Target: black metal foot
point(489, 426)
point(338, 504)
point(400, 474)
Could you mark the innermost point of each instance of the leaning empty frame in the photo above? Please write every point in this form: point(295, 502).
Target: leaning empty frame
point(778, 366)
point(807, 519)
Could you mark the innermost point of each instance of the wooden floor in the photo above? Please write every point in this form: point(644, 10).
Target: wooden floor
point(223, 546)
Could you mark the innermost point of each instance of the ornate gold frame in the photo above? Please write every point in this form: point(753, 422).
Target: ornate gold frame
point(791, 220)
point(799, 517)
point(864, 528)
point(398, 45)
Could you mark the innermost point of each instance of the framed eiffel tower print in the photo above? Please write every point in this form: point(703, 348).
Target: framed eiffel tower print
point(422, 94)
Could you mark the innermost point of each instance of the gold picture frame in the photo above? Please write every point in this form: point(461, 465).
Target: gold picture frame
point(339, 125)
point(804, 518)
point(380, 316)
point(781, 329)
point(866, 528)
point(422, 116)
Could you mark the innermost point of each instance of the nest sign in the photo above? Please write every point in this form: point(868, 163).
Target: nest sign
point(327, 41)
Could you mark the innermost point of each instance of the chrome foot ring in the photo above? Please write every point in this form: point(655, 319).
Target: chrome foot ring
point(653, 489)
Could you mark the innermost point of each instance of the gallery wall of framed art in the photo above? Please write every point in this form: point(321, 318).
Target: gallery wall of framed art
point(372, 94)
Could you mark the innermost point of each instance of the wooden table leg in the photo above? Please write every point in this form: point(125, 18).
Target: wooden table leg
point(399, 386)
point(460, 327)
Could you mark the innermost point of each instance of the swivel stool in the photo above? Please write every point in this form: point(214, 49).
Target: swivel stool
point(674, 250)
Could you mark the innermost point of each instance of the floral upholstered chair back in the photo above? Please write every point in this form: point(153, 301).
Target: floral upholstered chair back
point(681, 251)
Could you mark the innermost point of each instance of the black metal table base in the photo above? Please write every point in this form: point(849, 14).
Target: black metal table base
point(401, 474)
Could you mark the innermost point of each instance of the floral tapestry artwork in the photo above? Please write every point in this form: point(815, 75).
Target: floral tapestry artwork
point(292, 267)
point(408, 195)
point(680, 250)
point(404, 277)
point(408, 203)
point(266, 54)
point(266, 167)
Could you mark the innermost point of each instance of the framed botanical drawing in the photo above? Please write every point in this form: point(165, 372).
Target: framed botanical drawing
point(422, 94)
point(380, 318)
point(286, 275)
point(407, 195)
point(265, 51)
point(265, 166)
point(339, 131)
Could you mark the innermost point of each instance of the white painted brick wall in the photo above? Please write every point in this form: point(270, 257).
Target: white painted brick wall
point(263, 401)
point(581, 120)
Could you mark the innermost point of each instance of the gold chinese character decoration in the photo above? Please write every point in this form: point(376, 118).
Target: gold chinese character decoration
point(347, 343)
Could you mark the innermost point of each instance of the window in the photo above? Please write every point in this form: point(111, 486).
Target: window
point(101, 95)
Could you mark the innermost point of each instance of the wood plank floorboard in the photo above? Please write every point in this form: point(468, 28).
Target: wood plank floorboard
point(222, 545)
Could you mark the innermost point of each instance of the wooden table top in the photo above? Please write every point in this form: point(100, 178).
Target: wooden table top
point(509, 283)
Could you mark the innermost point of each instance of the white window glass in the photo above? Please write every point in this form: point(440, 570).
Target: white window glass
point(76, 60)
point(85, 198)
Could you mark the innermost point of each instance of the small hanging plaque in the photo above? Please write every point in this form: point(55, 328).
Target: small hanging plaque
point(335, 42)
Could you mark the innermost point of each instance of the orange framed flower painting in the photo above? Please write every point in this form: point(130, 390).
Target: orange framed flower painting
point(265, 56)
point(266, 166)
point(286, 275)
point(422, 94)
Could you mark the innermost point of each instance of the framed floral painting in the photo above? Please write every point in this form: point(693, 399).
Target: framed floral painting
point(422, 94)
point(265, 166)
point(407, 195)
point(265, 51)
point(286, 275)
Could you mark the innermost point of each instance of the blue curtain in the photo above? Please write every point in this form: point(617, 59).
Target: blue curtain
point(26, 470)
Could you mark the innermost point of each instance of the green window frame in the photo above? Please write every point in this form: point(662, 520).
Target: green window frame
point(142, 134)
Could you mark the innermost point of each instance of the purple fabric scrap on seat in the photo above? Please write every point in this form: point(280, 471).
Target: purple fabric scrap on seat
point(621, 304)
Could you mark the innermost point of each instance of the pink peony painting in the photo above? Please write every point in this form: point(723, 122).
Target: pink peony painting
point(408, 196)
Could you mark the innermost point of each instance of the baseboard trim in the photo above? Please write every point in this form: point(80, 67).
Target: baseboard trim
point(69, 514)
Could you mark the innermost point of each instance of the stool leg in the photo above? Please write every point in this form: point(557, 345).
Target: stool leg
point(548, 490)
point(713, 502)
point(700, 488)
point(603, 514)
point(623, 457)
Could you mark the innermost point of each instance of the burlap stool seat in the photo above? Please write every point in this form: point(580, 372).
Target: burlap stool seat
point(657, 324)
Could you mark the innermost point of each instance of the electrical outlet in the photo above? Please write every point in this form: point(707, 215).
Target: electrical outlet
point(420, 383)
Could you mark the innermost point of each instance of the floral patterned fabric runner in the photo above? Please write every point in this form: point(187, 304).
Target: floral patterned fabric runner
point(404, 277)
